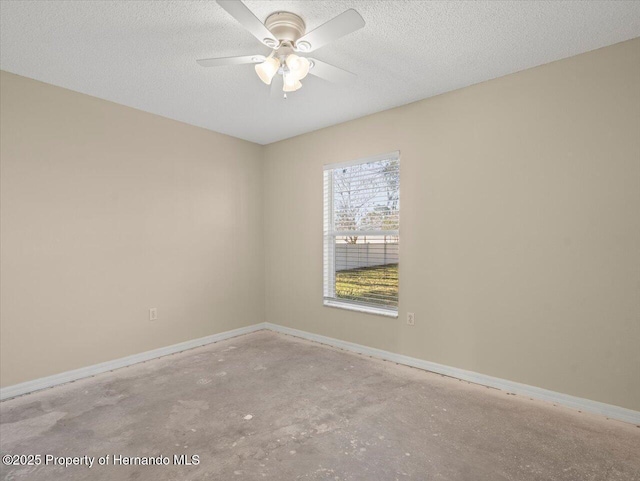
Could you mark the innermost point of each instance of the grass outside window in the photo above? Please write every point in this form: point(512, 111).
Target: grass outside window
point(378, 284)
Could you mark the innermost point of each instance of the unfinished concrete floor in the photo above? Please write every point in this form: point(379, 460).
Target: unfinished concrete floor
point(270, 406)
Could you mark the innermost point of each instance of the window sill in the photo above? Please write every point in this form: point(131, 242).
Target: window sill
point(364, 309)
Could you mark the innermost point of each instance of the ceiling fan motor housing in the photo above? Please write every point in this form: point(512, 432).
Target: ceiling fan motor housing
point(285, 26)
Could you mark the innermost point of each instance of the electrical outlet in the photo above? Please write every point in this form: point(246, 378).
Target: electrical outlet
point(153, 314)
point(411, 318)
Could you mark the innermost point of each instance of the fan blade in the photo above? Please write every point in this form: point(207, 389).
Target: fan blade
point(242, 14)
point(219, 62)
point(329, 72)
point(343, 24)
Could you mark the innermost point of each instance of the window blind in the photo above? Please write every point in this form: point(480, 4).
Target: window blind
point(361, 233)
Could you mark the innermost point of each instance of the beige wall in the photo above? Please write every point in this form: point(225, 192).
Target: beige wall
point(520, 230)
point(520, 227)
point(107, 211)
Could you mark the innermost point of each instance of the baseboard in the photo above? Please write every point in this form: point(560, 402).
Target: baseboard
point(68, 376)
point(587, 405)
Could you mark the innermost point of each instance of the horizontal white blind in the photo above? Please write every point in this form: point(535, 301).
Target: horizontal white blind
point(361, 232)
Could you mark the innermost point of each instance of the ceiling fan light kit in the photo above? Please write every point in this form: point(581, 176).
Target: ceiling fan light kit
point(291, 84)
point(298, 66)
point(284, 32)
point(268, 69)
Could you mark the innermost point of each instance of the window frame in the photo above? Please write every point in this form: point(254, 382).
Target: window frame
point(329, 258)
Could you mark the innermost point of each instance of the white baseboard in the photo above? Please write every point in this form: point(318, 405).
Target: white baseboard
point(68, 376)
point(608, 410)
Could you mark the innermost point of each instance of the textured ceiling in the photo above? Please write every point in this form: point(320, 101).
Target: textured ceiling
point(142, 54)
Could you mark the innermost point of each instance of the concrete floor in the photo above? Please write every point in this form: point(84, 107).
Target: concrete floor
point(270, 406)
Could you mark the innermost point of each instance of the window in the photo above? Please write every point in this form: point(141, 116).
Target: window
point(361, 234)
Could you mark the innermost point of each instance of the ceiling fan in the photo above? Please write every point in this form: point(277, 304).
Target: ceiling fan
point(284, 33)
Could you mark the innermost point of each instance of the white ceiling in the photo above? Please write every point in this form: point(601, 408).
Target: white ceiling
point(142, 54)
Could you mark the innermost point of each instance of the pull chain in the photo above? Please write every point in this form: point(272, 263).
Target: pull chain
point(284, 81)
